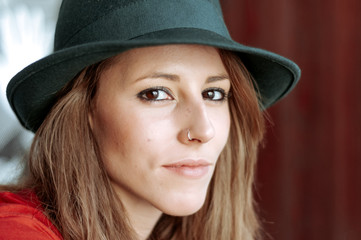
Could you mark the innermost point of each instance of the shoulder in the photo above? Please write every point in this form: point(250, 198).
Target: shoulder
point(21, 218)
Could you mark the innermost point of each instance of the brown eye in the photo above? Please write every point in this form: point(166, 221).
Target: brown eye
point(151, 95)
point(155, 94)
point(214, 94)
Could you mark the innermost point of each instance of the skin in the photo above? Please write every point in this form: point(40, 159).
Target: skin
point(144, 105)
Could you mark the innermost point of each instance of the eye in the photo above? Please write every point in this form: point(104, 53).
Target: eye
point(155, 94)
point(214, 94)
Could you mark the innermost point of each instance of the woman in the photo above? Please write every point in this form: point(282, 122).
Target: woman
point(146, 122)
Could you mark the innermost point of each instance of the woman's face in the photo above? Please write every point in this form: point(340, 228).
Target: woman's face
point(145, 104)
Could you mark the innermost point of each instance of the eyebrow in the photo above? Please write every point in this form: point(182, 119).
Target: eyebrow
point(220, 77)
point(176, 78)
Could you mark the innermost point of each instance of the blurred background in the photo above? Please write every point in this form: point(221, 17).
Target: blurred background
point(26, 34)
point(309, 174)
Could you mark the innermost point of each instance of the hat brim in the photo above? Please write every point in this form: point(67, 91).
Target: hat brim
point(32, 92)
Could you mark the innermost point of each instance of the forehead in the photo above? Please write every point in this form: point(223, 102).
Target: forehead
point(174, 58)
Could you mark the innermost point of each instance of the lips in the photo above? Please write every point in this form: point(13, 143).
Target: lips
point(189, 168)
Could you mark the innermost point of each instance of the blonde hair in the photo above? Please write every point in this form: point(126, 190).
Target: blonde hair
point(66, 170)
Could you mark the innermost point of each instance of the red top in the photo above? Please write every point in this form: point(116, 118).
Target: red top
point(21, 218)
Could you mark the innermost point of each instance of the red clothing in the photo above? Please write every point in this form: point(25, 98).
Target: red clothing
point(21, 218)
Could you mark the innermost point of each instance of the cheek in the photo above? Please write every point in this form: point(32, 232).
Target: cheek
point(126, 133)
point(111, 128)
point(221, 123)
point(109, 132)
point(118, 136)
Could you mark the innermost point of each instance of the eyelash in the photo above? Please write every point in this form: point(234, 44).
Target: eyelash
point(156, 90)
point(142, 94)
point(224, 95)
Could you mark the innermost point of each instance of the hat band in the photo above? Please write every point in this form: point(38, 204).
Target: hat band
point(147, 16)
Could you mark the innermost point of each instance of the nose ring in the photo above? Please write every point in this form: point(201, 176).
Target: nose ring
point(189, 135)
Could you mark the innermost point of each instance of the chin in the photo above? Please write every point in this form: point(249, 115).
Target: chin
point(184, 207)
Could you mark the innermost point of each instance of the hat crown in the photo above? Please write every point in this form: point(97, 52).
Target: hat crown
point(84, 21)
point(89, 31)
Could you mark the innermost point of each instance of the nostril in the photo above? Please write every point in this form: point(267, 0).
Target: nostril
point(190, 138)
point(199, 123)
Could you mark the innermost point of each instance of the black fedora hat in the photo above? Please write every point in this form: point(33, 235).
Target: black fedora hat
point(90, 31)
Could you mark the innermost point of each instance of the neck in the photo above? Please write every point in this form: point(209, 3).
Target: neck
point(142, 215)
point(143, 223)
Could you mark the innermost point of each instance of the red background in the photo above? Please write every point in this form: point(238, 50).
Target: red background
point(309, 183)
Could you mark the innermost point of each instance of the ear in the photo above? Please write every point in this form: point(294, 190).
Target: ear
point(90, 120)
point(92, 109)
point(91, 116)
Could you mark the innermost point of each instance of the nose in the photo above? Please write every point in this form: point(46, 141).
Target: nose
point(200, 128)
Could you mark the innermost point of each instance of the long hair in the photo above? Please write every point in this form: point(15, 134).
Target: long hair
point(68, 176)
